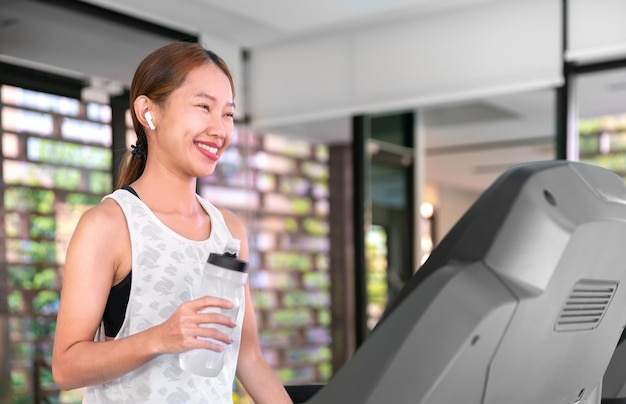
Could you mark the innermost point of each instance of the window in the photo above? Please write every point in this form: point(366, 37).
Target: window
point(56, 162)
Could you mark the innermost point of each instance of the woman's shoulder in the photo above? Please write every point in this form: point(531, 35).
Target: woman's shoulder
point(105, 215)
point(228, 215)
point(235, 224)
point(237, 229)
point(101, 240)
point(231, 219)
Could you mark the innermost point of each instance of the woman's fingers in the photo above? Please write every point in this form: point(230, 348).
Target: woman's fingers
point(200, 323)
point(205, 302)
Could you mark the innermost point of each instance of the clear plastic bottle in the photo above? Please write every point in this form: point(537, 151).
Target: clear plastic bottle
point(224, 276)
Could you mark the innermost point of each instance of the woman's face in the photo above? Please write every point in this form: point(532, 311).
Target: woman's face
point(195, 125)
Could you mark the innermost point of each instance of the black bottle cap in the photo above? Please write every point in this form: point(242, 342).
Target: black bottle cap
point(228, 261)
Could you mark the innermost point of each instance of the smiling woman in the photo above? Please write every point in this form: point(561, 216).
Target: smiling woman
point(129, 305)
point(152, 87)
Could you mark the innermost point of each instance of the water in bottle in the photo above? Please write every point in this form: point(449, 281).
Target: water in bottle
point(224, 276)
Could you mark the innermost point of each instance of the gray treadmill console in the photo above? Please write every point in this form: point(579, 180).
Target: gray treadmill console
point(522, 302)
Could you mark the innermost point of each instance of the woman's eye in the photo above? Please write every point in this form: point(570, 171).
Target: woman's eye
point(204, 107)
point(230, 114)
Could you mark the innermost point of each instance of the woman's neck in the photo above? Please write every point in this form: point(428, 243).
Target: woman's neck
point(169, 196)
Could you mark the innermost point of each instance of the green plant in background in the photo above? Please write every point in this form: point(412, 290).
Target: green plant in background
point(376, 273)
point(316, 280)
point(65, 177)
point(296, 298)
point(26, 199)
point(291, 224)
point(589, 126)
point(99, 182)
point(301, 206)
point(315, 227)
point(45, 278)
point(46, 302)
point(66, 153)
point(80, 201)
point(18, 380)
point(15, 302)
point(324, 317)
point(42, 226)
point(31, 278)
point(289, 261)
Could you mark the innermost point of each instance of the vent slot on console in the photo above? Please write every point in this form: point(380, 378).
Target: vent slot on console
point(585, 306)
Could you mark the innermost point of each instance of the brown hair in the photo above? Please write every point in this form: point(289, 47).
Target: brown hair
point(156, 77)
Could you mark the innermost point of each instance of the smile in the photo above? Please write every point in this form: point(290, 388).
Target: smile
point(210, 149)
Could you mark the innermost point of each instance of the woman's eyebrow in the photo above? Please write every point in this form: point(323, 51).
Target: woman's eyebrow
point(212, 98)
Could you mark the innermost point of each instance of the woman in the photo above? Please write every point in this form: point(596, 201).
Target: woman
point(128, 306)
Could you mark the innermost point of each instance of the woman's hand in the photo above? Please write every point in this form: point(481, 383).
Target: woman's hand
point(189, 327)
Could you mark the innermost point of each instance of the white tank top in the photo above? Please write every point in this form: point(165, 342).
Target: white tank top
point(165, 268)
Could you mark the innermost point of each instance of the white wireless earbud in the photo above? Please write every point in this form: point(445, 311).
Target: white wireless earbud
point(148, 116)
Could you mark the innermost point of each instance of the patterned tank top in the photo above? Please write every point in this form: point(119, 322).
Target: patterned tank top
point(165, 268)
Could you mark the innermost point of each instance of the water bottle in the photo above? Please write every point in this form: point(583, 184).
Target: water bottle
point(224, 276)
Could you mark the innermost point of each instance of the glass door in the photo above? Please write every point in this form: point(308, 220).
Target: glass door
point(600, 108)
point(387, 180)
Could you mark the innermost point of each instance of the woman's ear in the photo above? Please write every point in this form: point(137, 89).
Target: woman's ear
point(142, 106)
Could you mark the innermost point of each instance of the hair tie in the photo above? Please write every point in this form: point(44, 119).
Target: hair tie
point(138, 151)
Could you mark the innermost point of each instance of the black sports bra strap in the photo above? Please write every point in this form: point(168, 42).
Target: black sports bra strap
point(131, 190)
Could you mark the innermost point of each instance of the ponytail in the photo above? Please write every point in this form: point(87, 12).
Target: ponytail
point(134, 161)
point(131, 169)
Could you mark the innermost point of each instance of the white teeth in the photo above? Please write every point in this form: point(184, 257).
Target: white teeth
point(212, 150)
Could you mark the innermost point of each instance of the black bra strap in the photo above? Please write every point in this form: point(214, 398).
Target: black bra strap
point(131, 190)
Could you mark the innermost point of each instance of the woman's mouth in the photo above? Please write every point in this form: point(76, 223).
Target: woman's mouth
point(210, 149)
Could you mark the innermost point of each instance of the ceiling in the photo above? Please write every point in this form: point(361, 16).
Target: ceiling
point(67, 36)
point(254, 23)
point(467, 144)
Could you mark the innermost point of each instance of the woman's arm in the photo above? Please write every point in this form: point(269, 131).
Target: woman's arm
point(100, 249)
point(255, 374)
